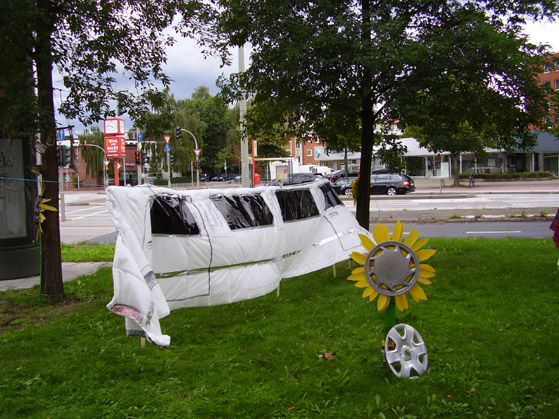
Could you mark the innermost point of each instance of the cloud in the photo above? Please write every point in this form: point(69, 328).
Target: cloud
point(544, 33)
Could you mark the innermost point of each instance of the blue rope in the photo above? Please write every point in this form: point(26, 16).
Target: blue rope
point(47, 181)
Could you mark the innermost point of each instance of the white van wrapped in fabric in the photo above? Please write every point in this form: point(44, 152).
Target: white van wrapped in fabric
point(207, 247)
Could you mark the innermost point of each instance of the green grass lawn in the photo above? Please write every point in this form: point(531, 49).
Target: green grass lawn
point(491, 326)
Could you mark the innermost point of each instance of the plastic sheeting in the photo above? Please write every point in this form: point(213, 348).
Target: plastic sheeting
point(190, 248)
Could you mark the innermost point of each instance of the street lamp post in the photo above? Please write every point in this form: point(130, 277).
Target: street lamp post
point(196, 148)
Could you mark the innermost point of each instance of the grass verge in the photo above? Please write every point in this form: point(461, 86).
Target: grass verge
point(87, 252)
point(491, 326)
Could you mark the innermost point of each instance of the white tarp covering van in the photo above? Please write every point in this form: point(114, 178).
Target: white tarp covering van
point(194, 248)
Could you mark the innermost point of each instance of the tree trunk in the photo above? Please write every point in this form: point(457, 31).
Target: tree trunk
point(367, 129)
point(51, 264)
point(367, 136)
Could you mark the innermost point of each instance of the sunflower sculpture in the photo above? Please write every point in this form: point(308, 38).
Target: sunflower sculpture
point(392, 267)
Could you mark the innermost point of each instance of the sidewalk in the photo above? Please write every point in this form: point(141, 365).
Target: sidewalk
point(70, 271)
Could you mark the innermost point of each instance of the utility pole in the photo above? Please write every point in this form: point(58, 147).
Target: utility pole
point(245, 173)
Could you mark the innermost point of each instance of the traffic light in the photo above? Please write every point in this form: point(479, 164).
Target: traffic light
point(61, 155)
point(172, 160)
point(177, 132)
point(84, 145)
point(138, 161)
point(68, 155)
point(144, 157)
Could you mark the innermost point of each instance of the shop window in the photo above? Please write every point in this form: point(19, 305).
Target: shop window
point(243, 211)
point(296, 204)
point(170, 215)
point(309, 153)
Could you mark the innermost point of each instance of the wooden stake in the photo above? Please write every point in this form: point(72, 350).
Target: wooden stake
point(334, 269)
point(142, 342)
point(277, 291)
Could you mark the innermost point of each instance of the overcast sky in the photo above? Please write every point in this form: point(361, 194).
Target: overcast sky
point(188, 69)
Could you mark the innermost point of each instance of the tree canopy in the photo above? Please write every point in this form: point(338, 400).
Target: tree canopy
point(311, 56)
point(87, 44)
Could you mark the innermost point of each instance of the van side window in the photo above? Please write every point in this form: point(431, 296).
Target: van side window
point(330, 196)
point(170, 215)
point(296, 204)
point(243, 211)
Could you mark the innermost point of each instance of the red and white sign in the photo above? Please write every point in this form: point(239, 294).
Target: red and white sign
point(167, 138)
point(197, 151)
point(115, 147)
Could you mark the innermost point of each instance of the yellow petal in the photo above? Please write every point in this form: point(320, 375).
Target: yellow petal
point(425, 254)
point(366, 242)
point(401, 302)
point(426, 274)
point(358, 257)
point(373, 296)
point(423, 280)
point(48, 207)
point(381, 233)
point(423, 268)
point(362, 283)
point(368, 291)
point(412, 237)
point(419, 244)
point(398, 231)
point(42, 217)
point(417, 293)
point(356, 276)
point(383, 301)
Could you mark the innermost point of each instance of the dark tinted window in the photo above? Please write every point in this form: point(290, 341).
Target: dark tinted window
point(296, 204)
point(243, 211)
point(170, 215)
point(330, 196)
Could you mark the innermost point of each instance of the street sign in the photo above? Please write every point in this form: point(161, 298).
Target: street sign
point(61, 134)
point(140, 137)
point(167, 148)
point(115, 147)
point(167, 138)
point(197, 151)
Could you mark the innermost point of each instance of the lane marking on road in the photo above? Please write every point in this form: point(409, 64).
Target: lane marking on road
point(90, 215)
point(495, 232)
point(74, 211)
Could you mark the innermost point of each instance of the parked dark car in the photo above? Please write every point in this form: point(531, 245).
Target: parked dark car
point(218, 178)
point(386, 183)
point(297, 178)
point(337, 174)
point(343, 185)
